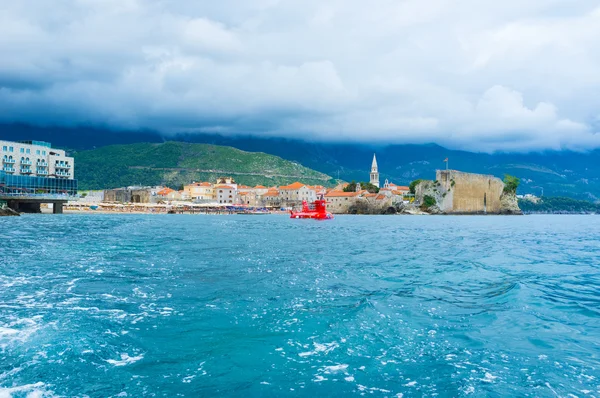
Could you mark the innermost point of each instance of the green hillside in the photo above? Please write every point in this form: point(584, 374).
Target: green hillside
point(176, 163)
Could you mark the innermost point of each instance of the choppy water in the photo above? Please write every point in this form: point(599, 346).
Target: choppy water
point(126, 305)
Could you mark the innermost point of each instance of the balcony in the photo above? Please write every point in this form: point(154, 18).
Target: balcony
point(27, 162)
point(8, 169)
point(42, 164)
point(62, 166)
point(42, 172)
point(25, 171)
point(9, 161)
point(63, 174)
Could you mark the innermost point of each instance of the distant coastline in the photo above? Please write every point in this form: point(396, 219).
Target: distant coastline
point(558, 205)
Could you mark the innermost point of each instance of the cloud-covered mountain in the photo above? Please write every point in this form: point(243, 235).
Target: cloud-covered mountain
point(474, 75)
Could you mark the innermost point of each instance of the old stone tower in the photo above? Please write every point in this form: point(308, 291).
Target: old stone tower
point(374, 172)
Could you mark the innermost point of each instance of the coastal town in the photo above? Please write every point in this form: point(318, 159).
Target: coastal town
point(51, 187)
point(226, 195)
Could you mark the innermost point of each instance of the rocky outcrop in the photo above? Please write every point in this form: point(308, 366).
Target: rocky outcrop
point(509, 204)
point(7, 211)
point(409, 209)
point(434, 210)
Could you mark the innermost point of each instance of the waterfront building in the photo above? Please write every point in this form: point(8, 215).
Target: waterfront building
point(136, 194)
point(379, 199)
point(35, 159)
point(32, 173)
point(295, 193)
point(201, 191)
point(271, 198)
point(165, 192)
point(249, 198)
point(121, 195)
point(260, 190)
point(400, 189)
point(340, 201)
point(374, 172)
point(225, 193)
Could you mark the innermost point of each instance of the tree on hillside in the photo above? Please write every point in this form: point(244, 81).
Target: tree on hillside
point(511, 183)
point(363, 185)
point(413, 186)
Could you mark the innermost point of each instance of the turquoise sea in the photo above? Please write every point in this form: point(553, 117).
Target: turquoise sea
point(265, 306)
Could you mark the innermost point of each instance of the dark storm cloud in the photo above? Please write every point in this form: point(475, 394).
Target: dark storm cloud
point(474, 74)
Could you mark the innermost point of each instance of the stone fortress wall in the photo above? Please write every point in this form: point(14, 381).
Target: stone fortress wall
point(456, 192)
point(470, 193)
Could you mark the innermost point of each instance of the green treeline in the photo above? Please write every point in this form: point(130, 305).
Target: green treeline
point(363, 185)
point(558, 205)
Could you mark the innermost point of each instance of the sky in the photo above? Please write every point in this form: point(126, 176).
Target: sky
point(478, 75)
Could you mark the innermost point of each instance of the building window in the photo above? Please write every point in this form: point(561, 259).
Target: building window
point(44, 153)
point(22, 150)
point(37, 152)
point(11, 149)
point(28, 150)
point(4, 148)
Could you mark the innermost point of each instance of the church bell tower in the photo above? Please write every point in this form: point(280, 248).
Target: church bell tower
point(374, 172)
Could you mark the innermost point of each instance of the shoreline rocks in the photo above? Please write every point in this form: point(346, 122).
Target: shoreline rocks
point(8, 212)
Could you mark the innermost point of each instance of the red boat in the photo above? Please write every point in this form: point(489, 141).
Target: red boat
point(316, 211)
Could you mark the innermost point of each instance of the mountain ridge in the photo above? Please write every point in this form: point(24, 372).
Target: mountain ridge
point(177, 163)
point(554, 173)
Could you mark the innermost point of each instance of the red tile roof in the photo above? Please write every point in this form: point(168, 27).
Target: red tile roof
point(340, 194)
point(296, 185)
point(272, 192)
point(165, 191)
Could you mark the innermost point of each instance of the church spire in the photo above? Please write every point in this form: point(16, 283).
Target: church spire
point(374, 172)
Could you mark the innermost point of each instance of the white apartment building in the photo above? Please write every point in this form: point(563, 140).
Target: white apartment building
point(36, 159)
point(225, 194)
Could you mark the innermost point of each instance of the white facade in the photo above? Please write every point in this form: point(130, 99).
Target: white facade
point(35, 158)
point(225, 194)
point(296, 193)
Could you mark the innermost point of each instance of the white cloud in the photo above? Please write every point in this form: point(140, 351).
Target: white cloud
point(473, 74)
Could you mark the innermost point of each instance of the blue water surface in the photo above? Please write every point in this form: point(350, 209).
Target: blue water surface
point(265, 306)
